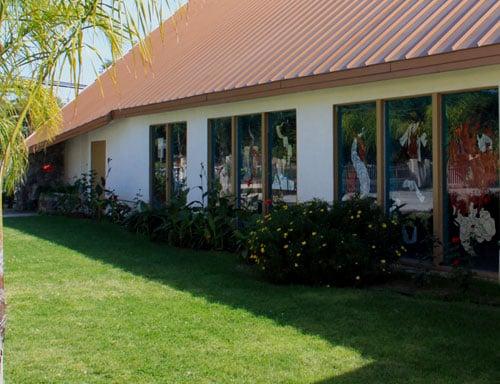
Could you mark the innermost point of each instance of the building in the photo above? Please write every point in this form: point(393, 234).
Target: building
point(296, 100)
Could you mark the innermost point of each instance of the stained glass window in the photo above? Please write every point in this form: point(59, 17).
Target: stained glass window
point(250, 159)
point(357, 150)
point(221, 155)
point(283, 156)
point(179, 160)
point(409, 153)
point(472, 177)
point(158, 138)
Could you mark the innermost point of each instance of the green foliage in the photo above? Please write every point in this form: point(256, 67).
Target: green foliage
point(195, 225)
point(472, 107)
point(145, 219)
point(348, 243)
point(47, 39)
point(403, 112)
point(88, 197)
point(25, 108)
point(461, 264)
point(357, 119)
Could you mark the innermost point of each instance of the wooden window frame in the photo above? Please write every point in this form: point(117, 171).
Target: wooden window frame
point(210, 152)
point(235, 154)
point(169, 158)
point(151, 162)
point(380, 140)
point(438, 170)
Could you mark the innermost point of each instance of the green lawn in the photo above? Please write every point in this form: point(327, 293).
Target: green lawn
point(90, 303)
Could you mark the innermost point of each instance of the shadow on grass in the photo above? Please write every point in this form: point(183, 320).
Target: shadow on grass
point(408, 340)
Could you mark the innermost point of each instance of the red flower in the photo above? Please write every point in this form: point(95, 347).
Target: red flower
point(47, 168)
point(455, 240)
point(455, 262)
point(268, 202)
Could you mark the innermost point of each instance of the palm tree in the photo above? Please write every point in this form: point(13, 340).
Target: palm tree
point(40, 39)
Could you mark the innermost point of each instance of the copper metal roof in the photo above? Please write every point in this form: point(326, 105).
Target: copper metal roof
point(219, 49)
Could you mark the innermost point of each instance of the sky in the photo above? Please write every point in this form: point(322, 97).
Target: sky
point(91, 62)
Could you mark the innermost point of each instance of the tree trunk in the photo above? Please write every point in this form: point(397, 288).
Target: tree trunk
point(2, 290)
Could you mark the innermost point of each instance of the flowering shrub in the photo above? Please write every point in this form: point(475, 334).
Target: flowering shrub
point(348, 243)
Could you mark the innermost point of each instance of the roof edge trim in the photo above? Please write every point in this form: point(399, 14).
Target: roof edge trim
point(443, 62)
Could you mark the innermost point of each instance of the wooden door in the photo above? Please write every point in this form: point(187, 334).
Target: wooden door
point(98, 160)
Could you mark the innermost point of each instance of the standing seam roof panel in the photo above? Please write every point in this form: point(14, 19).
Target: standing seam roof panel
point(217, 45)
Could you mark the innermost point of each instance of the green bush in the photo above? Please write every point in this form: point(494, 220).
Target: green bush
point(86, 197)
point(210, 226)
point(145, 219)
point(348, 243)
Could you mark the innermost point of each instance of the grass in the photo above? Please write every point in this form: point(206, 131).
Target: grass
point(90, 303)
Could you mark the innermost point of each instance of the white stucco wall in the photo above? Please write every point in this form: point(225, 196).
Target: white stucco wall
point(127, 140)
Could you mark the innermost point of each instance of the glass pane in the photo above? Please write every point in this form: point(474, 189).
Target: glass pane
point(179, 160)
point(409, 153)
point(250, 159)
point(222, 155)
point(472, 182)
point(358, 150)
point(158, 165)
point(283, 153)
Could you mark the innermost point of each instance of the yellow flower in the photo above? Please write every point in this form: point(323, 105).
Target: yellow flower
point(384, 225)
point(285, 246)
point(285, 235)
point(324, 245)
point(262, 250)
point(359, 212)
point(369, 225)
point(357, 277)
point(298, 254)
point(285, 207)
point(279, 230)
point(296, 265)
point(314, 233)
point(382, 261)
point(304, 243)
point(373, 247)
point(352, 217)
point(322, 210)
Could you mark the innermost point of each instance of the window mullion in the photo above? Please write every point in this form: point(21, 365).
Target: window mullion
point(381, 156)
